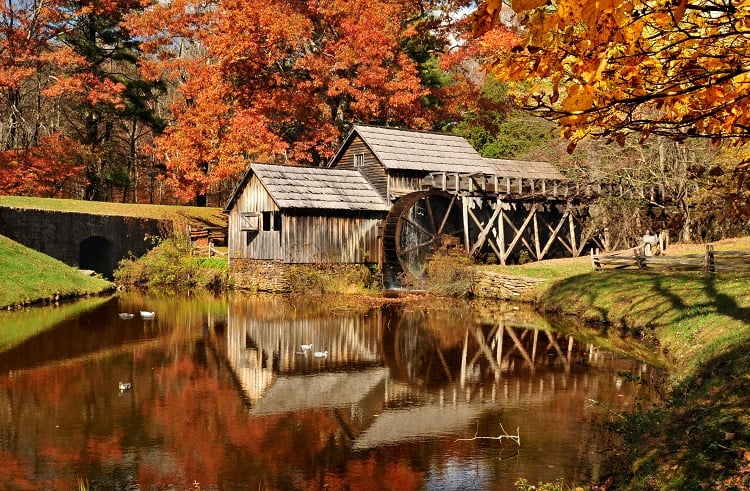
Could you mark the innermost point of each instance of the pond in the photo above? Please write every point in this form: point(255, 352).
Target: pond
point(218, 393)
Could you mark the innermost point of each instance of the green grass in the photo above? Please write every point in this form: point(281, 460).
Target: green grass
point(30, 276)
point(700, 436)
point(179, 214)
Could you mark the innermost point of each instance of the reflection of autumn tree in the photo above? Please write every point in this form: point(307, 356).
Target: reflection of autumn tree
point(15, 473)
point(183, 421)
point(370, 473)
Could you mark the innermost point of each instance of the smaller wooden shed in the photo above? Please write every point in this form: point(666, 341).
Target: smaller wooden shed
point(304, 215)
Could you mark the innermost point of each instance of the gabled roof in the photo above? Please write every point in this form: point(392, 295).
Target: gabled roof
point(314, 188)
point(400, 149)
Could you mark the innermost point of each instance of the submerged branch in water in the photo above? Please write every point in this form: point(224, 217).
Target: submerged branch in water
point(504, 436)
point(593, 402)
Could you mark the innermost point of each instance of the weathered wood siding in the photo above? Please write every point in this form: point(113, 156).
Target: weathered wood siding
point(401, 183)
point(247, 244)
point(309, 236)
point(371, 167)
point(328, 238)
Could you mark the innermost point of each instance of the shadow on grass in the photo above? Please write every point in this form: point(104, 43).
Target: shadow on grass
point(700, 438)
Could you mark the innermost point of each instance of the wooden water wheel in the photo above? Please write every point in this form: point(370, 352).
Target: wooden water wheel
point(419, 224)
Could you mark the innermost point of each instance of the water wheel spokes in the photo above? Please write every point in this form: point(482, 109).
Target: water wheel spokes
point(418, 225)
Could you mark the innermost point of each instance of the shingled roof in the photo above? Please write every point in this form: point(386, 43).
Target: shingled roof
point(314, 188)
point(400, 149)
point(524, 168)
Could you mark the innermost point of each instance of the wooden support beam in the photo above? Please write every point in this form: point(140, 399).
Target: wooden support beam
point(519, 232)
point(484, 230)
point(537, 252)
point(501, 234)
point(572, 234)
point(465, 202)
point(554, 235)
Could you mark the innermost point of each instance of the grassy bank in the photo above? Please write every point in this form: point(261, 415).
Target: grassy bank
point(700, 437)
point(29, 277)
point(180, 215)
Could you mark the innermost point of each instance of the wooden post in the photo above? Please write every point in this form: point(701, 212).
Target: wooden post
point(572, 225)
point(465, 202)
point(708, 263)
point(639, 260)
point(537, 249)
point(501, 234)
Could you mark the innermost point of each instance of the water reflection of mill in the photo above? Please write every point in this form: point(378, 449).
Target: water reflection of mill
point(400, 376)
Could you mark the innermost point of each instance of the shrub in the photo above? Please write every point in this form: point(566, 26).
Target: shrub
point(329, 278)
point(449, 273)
point(171, 266)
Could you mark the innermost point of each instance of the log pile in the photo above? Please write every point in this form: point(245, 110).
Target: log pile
point(488, 284)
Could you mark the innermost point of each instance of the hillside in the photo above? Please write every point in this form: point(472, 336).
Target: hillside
point(30, 276)
point(180, 215)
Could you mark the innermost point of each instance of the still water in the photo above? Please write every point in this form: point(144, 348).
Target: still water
point(219, 394)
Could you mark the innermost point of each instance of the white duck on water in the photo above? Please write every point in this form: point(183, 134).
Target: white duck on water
point(147, 315)
point(306, 347)
point(320, 354)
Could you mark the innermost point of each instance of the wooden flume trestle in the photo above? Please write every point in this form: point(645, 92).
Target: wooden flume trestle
point(495, 219)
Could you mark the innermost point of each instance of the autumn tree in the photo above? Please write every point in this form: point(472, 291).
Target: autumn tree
point(72, 108)
point(283, 81)
point(676, 68)
point(108, 103)
point(35, 156)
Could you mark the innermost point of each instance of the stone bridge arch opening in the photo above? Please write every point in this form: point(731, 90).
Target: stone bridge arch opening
point(96, 254)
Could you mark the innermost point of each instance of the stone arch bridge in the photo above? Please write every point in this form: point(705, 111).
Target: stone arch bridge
point(83, 240)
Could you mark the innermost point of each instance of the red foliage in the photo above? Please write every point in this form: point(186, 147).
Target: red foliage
point(283, 80)
point(42, 170)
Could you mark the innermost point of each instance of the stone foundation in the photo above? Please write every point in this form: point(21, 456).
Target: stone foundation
point(260, 276)
point(499, 286)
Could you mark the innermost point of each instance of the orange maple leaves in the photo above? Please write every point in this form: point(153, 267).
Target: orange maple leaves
point(678, 68)
point(261, 80)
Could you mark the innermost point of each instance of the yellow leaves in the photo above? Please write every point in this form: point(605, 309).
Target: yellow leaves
point(579, 98)
point(524, 5)
point(486, 15)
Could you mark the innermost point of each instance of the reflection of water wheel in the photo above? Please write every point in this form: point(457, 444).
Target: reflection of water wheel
point(418, 225)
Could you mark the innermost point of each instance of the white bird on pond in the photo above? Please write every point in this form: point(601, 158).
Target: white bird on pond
point(124, 386)
point(306, 347)
point(126, 315)
point(147, 315)
point(320, 354)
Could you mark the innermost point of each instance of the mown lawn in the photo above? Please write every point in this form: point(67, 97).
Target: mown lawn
point(29, 276)
point(180, 214)
point(700, 437)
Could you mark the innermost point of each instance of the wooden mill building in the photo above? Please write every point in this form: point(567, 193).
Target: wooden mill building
point(391, 196)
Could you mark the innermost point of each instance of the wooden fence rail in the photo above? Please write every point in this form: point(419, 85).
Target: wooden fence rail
point(711, 262)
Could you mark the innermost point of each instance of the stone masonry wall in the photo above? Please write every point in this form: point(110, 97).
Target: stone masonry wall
point(488, 284)
point(62, 234)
